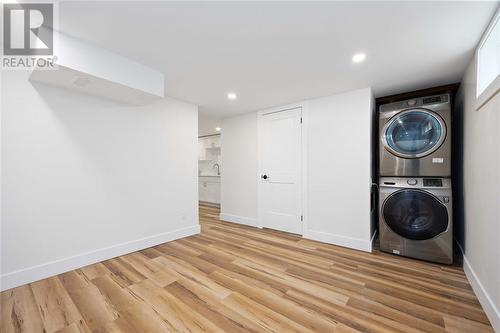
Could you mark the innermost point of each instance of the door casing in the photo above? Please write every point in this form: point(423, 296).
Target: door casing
point(303, 163)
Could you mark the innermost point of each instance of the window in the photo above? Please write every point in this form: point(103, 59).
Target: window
point(488, 59)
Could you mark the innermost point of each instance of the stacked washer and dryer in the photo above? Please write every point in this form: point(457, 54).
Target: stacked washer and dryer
point(415, 199)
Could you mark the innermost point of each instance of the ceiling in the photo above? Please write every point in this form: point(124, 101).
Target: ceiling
point(272, 53)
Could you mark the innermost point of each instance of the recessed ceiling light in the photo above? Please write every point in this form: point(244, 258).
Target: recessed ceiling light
point(217, 129)
point(231, 96)
point(358, 57)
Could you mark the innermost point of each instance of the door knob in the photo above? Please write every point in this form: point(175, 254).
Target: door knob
point(263, 176)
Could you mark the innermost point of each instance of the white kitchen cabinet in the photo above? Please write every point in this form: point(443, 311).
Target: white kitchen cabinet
point(209, 189)
point(209, 148)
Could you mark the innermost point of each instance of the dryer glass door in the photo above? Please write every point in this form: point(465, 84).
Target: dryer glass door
point(415, 214)
point(414, 133)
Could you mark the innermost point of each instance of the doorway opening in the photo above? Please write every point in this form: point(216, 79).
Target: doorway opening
point(209, 170)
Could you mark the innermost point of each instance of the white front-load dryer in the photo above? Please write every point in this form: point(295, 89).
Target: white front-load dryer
point(415, 218)
point(415, 137)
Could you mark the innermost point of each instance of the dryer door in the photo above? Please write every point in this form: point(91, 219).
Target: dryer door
point(414, 133)
point(415, 214)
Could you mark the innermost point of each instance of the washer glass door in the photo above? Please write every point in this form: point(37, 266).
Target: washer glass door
point(414, 133)
point(415, 214)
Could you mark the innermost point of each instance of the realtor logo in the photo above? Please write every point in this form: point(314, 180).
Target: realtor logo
point(28, 29)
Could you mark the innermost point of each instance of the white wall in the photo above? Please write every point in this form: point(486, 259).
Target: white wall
point(85, 179)
point(239, 169)
point(338, 162)
point(339, 169)
point(479, 236)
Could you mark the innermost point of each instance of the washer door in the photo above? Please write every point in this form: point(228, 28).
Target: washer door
point(414, 133)
point(415, 214)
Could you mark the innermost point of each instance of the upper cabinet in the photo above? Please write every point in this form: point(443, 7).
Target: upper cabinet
point(209, 148)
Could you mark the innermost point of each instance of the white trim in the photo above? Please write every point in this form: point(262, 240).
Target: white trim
point(286, 107)
point(495, 19)
point(305, 133)
point(250, 221)
point(42, 271)
point(488, 93)
point(484, 298)
point(494, 87)
point(352, 243)
point(259, 168)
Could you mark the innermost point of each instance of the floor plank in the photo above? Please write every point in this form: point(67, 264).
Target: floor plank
point(55, 305)
point(234, 278)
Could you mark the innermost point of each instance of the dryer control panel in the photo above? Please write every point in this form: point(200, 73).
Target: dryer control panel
point(434, 102)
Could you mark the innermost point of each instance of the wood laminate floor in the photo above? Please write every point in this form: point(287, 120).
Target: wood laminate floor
point(233, 278)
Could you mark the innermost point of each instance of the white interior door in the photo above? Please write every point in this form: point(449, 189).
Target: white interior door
point(280, 189)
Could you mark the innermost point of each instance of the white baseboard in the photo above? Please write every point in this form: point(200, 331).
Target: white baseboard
point(484, 298)
point(239, 219)
point(353, 243)
point(35, 273)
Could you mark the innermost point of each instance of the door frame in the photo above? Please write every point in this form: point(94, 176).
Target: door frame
point(303, 164)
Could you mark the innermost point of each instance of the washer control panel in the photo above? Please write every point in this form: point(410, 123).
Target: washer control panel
point(433, 182)
point(428, 183)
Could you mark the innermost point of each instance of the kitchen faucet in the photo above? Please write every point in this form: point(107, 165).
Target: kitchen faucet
point(218, 168)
